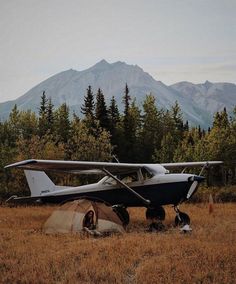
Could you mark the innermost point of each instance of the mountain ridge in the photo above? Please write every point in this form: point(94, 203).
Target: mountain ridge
point(198, 102)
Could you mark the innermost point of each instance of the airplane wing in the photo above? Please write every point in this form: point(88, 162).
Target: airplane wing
point(82, 167)
point(77, 167)
point(191, 164)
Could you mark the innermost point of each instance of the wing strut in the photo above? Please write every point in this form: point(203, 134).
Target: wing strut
point(206, 166)
point(145, 201)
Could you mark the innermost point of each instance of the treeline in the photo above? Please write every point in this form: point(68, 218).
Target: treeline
point(143, 134)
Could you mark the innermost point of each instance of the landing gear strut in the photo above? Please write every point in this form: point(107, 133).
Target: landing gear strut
point(122, 213)
point(181, 218)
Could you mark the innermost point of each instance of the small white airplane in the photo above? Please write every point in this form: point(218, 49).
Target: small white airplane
point(124, 185)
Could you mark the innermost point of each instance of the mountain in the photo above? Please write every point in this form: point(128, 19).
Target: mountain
point(209, 97)
point(197, 101)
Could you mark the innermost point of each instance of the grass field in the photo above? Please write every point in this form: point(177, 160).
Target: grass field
point(207, 255)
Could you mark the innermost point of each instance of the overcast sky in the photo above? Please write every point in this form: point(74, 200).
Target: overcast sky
point(173, 40)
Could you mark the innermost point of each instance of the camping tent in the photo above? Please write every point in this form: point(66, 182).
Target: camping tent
point(70, 217)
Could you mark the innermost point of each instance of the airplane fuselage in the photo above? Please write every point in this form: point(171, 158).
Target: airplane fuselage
point(161, 189)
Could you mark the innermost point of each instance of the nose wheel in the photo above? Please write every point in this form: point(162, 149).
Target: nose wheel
point(181, 218)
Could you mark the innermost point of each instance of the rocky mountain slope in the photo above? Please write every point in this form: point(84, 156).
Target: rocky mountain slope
point(198, 101)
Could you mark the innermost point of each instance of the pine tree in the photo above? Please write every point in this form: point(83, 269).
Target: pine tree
point(126, 118)
point(50, 115)
point(124, 145)
point(43, 127)
point(88, 107)
point(151, 133)
point(62, 123)
point(177, 117)
point(113, 114)
point(224, 119)
point(186, 126)
point(131, 122)
point(114, 119)
point(101, 113)
point(126, 101)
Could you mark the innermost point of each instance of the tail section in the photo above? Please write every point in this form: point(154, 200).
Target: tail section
point(39, 183)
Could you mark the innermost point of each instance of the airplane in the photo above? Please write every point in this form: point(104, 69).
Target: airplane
point(124, 185)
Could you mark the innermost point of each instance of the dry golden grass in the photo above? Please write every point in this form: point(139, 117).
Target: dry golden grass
point(207, 255)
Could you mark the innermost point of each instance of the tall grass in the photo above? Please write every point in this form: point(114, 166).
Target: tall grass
point(207, 255)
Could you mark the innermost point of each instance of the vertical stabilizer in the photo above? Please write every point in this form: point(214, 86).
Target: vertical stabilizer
point(39, 183)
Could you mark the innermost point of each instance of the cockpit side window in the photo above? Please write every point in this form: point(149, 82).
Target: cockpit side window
point(125, 178)
point(146, 174)
point(110, 181)
point(128, 178)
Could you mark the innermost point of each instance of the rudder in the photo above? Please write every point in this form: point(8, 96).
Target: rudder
point(39, 182)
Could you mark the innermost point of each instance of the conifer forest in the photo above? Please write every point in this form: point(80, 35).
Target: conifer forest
point(137, 134)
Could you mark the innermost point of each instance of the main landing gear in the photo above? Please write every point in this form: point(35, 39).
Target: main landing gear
point(122, 213)
point(156, 214)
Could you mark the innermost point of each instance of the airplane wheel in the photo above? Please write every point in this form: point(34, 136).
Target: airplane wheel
point(122, 213)
point(157, 212)
point(185, 220)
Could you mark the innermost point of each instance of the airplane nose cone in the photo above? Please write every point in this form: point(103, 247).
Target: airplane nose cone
point(197, 178)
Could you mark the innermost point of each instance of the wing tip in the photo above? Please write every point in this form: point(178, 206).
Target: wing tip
point(20, 164)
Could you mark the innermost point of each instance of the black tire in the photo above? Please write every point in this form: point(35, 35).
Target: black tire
point(122, 213)
point(156, 213)
point(184, 219)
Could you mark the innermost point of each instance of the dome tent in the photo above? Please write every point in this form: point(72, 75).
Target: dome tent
point(69, 218)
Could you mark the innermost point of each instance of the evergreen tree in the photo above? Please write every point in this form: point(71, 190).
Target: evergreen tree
point(128, 147)
point(43, 127)
point(50, 115)
point(88, 107)
point(101, 113)
point(126, 118)
point(114, 119)
point(151, 132)
point(125, 129)
point(177, 117)
point(221, 119)
point(62, 123)
point(113, 115)
point(126, 101)
point(186, 126)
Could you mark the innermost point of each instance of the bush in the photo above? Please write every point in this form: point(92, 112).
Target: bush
point(219, 194)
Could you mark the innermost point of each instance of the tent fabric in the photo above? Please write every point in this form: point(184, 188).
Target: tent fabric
point(69, 218)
